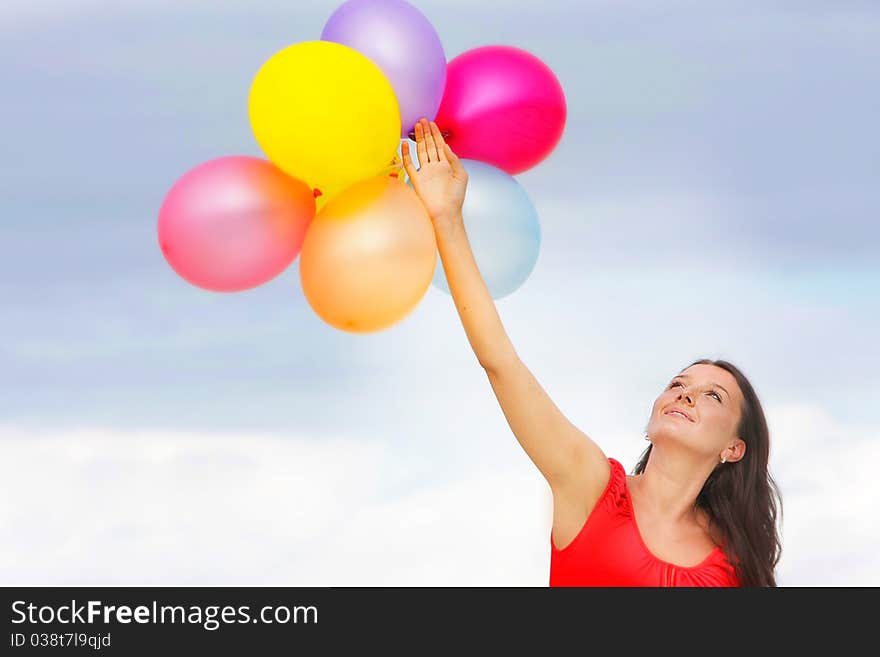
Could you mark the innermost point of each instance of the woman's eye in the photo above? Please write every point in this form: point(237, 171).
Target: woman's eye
point(678, 383)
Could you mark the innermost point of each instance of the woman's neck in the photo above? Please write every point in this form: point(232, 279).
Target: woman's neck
point(669, 486)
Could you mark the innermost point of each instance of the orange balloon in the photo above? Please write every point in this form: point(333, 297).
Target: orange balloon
point(368, 257)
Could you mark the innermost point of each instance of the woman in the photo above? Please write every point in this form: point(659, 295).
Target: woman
point(700, 508)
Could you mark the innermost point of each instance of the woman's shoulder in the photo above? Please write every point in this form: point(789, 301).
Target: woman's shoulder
point(616, 489)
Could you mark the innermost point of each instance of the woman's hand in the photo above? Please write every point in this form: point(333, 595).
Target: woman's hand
point(440, 180)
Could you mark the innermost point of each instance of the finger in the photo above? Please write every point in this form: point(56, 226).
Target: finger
point(407, 159)
point(438, 141)
point(457, 167)
point(429, 143)
point(421, 148)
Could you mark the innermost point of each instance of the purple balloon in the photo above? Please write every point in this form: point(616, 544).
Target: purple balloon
point(403, 44)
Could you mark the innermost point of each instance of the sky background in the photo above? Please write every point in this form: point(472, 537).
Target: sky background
point(715, 194)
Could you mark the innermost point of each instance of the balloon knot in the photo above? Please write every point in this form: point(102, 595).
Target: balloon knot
point(393, 175)
point(317, 192)
point(446, 134)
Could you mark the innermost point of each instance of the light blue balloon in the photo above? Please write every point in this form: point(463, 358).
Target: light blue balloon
point(502, 227)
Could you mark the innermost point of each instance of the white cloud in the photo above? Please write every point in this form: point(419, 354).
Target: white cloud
point(826, 471)
point(100, 507)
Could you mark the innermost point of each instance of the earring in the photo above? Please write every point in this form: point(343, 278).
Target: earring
point(724, 459)
point(647, 438)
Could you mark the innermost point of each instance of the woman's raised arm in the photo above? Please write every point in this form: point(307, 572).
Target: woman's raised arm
point(571, 462)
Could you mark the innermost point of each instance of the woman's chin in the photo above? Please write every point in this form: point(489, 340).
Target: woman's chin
point(677, 436)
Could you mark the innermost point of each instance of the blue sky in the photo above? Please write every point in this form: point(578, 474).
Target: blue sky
point(715, 194)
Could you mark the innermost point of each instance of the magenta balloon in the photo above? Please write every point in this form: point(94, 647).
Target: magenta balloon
point(502, 105)
point(403, 44)
point(234, 223)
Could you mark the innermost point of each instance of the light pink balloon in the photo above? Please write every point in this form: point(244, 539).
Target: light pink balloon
point(234, 223)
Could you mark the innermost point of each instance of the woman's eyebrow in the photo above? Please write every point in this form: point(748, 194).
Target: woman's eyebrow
point(717, 385)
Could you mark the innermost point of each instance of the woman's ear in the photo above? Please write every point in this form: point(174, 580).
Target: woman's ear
point(734, 452)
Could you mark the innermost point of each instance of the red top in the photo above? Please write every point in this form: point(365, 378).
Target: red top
point(609, 550)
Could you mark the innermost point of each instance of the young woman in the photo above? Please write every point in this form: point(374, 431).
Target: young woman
point(700, 508)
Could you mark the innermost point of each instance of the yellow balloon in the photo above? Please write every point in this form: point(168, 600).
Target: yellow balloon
point(393, 168)
point(368, 257)
point(325, 114)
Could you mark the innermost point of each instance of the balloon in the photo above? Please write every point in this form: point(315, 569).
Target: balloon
point(234, 222)
point(314, 100)
point(502, 228)
point(395, 168)
point(502, 105)
point(368, 256)
point(403, 43)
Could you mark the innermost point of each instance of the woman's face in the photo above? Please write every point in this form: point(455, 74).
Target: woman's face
point(711, 397)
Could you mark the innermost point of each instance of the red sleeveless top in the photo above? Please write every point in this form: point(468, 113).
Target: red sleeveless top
point(609, 550)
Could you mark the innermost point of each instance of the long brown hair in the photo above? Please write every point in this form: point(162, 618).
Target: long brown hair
point(741, 498)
